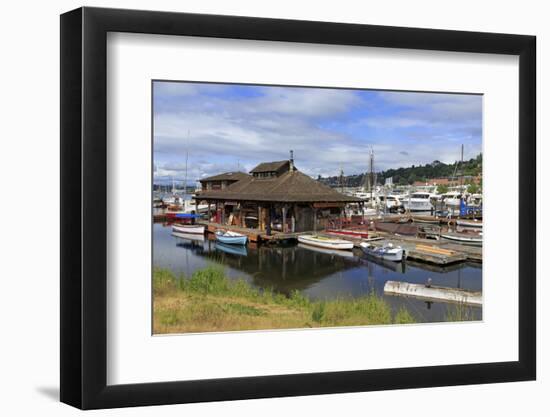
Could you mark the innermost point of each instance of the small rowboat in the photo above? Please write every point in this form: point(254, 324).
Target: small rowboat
point(325, 242)
point(231, 238)
point(464, 238)
point(188, 228)
point(469, 223)
point(387, 252)
point(351, 233)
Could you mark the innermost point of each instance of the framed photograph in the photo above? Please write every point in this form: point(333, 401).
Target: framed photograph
point(258, 208)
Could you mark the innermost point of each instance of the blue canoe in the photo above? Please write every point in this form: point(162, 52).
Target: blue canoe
point(231, 238)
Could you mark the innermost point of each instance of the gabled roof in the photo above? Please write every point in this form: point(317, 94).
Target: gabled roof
point(269, 166)
point(237, 176)
point(292, 186)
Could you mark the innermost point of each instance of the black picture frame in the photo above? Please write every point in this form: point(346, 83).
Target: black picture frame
point(84, 207)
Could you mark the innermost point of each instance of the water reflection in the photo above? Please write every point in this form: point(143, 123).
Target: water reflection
point(317, 273)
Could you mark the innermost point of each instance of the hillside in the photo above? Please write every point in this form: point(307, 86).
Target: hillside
point(408, 175)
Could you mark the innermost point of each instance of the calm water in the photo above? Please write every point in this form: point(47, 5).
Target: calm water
point(317, 274)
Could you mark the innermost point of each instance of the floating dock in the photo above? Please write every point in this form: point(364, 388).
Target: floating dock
point(434, 293)
point(435, 252)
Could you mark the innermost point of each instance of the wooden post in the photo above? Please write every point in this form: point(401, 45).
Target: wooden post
point(284, 219)
point(209, 212)
point(260, 220)
point(314, 219)
point(268, 225)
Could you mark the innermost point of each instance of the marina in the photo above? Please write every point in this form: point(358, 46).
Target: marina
point(317, 273)
point(246, 237)
point(283, 231)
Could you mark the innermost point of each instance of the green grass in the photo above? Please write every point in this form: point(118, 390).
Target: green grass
point(459, 312)
point(209, 301)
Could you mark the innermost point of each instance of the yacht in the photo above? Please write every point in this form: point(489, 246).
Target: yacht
point(451, 199)
point(391, 202)
point(418, 201)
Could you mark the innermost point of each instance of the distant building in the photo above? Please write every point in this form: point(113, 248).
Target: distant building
point(433, 182)
point(277, 196)
point(221, 181)
point(448, 181)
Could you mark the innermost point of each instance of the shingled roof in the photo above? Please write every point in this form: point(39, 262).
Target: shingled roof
point(292, 186)
point(227, 176)
point(269, 166)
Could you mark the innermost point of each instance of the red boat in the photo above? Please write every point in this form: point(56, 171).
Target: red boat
point(351, 233)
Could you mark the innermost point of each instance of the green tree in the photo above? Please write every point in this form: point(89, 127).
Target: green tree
point(473, 188)
point(442, 188)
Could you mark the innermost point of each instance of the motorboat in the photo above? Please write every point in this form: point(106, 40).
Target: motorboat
point(387, 251)
point(325, 242)
point(418, 201)
point(231, 238)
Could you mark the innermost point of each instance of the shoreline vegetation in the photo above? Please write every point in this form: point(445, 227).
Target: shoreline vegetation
point(208, 301)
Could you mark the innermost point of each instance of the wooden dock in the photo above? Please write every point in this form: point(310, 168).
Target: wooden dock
point(434, 293)
point(435, 252)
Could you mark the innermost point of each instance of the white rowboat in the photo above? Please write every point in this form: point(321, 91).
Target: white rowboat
point(465, 239)
point(325, 242)
point(188, 228)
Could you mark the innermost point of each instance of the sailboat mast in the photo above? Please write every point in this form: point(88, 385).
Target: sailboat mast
point(371, 173)
point(461, 168)
point(186, 161)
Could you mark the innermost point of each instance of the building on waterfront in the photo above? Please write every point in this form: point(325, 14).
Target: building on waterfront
point(222, 181)
point(276, 196)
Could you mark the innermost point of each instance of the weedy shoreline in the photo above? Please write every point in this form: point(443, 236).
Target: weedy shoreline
point(208, 301)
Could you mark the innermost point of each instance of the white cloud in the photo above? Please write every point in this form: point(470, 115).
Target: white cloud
point(226, 132)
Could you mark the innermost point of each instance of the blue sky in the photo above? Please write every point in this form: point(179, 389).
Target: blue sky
point(225, 127)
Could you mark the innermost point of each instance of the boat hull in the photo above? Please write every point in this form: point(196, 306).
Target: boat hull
point(393, 254)
point(350, 233)
point(326, 243)
point(466, 223)
point(188, 229)
point(231, 239)
point(464, 240)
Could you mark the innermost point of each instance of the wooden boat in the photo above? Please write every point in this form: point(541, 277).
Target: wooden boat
point(426, 219)
point(387, 252)
point(469, 223)
point(325, 242)
point(188, 228)
point(464, 238)
point(344, 253)
point(231, 238)
point(189, 236)
point(351, 233)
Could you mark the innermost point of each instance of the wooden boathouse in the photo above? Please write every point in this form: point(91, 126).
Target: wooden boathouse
point(275, 197)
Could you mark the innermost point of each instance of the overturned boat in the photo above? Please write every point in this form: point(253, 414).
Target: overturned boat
point(387, 252)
